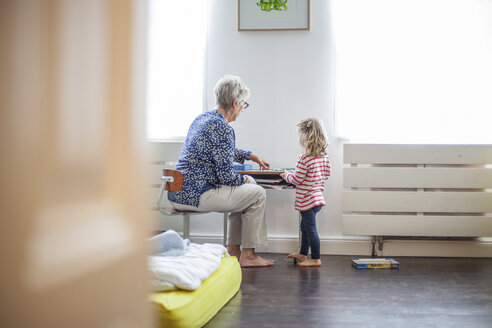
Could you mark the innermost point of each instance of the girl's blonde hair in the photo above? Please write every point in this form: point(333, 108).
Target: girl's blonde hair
point(313, 134)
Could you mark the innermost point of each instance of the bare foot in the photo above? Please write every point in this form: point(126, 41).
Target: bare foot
point(310, 263)
point(234, 250)
point(297, 256)
point(254, 261)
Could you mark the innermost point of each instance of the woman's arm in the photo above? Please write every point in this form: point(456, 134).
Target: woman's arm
point(264, 165)
point(223, 153)
point(241, 155)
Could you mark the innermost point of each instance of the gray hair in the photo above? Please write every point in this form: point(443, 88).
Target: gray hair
point(228, 89)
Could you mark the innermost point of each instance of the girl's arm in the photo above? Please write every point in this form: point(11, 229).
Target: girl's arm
point(299, 174)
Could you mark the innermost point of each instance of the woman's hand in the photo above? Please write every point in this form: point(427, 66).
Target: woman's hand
point(264, 165)
point(249, 179)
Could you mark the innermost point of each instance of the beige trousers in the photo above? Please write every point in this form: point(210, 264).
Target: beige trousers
point(246, 204)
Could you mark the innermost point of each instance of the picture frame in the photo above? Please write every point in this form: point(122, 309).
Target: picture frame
point(273, 15)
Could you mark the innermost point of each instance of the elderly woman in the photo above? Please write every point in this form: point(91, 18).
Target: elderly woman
point(210, 182)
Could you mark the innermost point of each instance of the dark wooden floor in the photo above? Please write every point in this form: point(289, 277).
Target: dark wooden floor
point(425, 292)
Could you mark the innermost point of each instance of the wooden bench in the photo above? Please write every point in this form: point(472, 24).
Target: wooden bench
point(172, 180)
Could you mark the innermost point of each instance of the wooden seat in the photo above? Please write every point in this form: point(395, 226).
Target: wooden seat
point(172, 180)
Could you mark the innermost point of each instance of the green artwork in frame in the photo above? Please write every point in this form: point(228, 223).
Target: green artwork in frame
point(269, 5)
point(264, 15)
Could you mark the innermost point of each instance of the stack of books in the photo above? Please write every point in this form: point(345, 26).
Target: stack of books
point(376, 263)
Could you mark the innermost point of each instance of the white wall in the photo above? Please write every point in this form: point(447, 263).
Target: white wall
point(290, 74)
point(291, 77)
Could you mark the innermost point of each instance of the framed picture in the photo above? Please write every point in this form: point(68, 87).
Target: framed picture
point(276, 15)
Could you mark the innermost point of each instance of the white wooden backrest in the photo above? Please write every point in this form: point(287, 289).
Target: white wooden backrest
point(417, 190)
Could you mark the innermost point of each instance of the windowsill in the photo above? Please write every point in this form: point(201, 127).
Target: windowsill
point(168, 140)
point(343, 139)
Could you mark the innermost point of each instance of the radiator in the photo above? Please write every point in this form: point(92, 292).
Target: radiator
point(417, 190)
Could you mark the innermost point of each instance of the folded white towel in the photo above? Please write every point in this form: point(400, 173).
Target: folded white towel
point(186, 271)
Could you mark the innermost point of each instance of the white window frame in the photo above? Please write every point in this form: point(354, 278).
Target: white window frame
point(421, 92)
point(175, 94)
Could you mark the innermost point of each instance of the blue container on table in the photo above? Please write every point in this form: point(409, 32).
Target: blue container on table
point(242, 167)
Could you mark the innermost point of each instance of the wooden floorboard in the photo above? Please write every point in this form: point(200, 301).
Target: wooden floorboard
point(424, 292)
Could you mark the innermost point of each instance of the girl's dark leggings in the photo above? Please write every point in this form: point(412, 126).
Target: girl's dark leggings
point(310, 238)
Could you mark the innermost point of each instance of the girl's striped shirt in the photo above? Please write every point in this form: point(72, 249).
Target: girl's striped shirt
point(309, 177)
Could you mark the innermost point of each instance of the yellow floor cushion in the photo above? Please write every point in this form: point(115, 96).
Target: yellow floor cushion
point(182, 308)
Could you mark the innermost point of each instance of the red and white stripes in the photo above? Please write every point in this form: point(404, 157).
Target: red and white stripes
point(309, 177)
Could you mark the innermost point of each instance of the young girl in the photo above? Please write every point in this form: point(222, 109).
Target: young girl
point(311, 172)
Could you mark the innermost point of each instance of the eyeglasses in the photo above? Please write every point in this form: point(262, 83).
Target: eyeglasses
point(246, 105)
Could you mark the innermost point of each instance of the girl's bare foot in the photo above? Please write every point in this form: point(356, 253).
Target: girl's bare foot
point(310, 263)
point(297, 256)
point(234, 250)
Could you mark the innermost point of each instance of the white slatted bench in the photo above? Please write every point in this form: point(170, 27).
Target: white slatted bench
point(417, 190)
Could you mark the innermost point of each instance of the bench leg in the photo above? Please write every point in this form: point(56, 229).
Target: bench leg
point(186, 226)
point(226, 217)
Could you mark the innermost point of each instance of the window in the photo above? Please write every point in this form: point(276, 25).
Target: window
point(176, 56)
point(413, 71)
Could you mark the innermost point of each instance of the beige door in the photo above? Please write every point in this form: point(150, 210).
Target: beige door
point(72, 226)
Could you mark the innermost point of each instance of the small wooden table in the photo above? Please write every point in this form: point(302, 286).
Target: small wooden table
point(271, 179)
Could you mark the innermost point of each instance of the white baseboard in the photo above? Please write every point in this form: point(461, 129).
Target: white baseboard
point(363, 247)
point(437, 248)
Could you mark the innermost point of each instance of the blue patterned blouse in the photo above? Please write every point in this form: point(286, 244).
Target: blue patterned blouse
point(207, 157)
